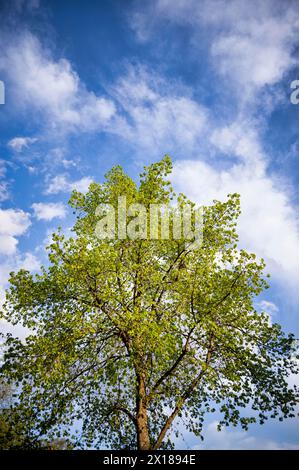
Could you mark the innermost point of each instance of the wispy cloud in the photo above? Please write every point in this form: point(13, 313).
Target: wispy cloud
point(4, 191)
point(251, 42)
point(61, 184)
point(49, 211)
point(19, 143)
point(51, 87)
point(158, 115)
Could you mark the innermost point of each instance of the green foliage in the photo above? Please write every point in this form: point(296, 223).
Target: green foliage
point(128, 335)
point(12, 435)
point(15, 433)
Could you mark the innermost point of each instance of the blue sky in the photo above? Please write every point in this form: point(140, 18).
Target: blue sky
point(91, 84)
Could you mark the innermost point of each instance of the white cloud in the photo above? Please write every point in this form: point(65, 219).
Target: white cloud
point(268, 307)
point(268, 224)
point(161, 116)
point(52, 87)
point(4, 185)
point(48, 211)
point(256, 48)
point(8, 244)
point(250, 42)
point(60, 184)
point(241, 140)
point(67, 163)
point(19, 143)
point(4, 193)
point(155, 113)
point(2, 167)
point(29, 262)
point(238, 440)
point(13, 223)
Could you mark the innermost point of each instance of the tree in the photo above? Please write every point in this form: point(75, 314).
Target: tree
point(15, 433)
point(129, 335)
point(11, 434)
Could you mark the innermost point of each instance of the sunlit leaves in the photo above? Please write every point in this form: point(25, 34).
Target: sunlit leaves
point(107, 312)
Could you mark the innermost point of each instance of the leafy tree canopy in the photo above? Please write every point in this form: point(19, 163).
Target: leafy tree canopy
point(129, 336)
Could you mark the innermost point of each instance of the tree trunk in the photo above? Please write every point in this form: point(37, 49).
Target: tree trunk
point(143, 439)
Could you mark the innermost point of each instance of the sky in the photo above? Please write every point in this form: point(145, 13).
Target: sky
point(92, 84)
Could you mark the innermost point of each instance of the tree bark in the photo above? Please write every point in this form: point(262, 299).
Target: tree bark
point(143, 439)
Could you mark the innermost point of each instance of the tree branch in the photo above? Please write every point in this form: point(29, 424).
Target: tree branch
point(172, 368)
point(184, 397)
point(125, 411)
